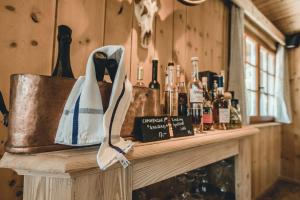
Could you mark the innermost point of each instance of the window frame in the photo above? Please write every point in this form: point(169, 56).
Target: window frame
point(260, 44)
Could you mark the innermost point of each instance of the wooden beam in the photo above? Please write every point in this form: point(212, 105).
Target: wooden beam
point(260, 20)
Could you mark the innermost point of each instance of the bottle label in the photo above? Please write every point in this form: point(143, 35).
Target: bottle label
point(224, 115)
point(196, 95)
point(207, 115)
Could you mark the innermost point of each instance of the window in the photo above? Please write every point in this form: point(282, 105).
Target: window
point(260, 78)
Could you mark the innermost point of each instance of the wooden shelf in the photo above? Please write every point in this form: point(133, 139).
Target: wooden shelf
point(75, 160)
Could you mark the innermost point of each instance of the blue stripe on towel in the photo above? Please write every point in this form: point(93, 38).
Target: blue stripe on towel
point(75, 122)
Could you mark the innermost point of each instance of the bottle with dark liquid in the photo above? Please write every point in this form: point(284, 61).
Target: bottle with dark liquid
point(155, 86)
point(3, 110)
point(63, 65)
point(182, 96)
point(207, 107)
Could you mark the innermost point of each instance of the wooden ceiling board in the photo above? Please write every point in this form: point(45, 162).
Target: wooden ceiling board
point(285, 14)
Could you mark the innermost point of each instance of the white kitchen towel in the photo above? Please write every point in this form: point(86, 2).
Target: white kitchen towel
point(83, 121)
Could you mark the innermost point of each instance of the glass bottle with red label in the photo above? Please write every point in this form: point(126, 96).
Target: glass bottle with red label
point(207, 107)
point(195, 97)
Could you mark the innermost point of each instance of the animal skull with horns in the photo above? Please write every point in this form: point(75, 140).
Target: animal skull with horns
point(145, 11)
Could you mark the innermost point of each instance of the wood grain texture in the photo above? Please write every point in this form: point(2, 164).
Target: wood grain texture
point(159, 168)
point(114, 184)
point(260, 20)
point(291, 132)
point(74, 160)
point(242, 166)
point(119, 17)
point(86, 19)
point(47, 188)
point(266, 157)
point(26, 33)
point(284, 14)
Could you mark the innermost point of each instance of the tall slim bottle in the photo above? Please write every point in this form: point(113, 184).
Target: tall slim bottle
point(195, 97)
point(182, 96)
point(140, 76)
point(170, 108)
point(155, 86)
point(63, 65)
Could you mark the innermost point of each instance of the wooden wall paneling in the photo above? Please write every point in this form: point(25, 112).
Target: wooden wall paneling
point(86, 19)
point(179, 34)
point(164, 31)
point(141, 55)
point(291, 132)
point(194, 36)
point(118, 26)
point(26, 46)
point(266, 158)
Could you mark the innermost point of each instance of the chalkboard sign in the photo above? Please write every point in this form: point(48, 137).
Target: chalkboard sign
point(147, 129)
point(182, 126)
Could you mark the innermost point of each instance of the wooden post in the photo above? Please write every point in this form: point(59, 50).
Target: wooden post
point(243, 170)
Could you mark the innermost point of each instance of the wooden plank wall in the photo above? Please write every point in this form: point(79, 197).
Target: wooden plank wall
point(266, 158)
point(291, 133)
point(28, 42)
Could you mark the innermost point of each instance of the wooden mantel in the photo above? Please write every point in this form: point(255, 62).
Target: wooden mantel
point(74, 174)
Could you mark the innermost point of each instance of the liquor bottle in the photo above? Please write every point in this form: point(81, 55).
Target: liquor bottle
point(195, 97)
point(182, 96)
point(178, 73)
point(207, 107)
point(235, 113)
point(100, 60)
point(221, 112)
point(3, 110)
point(140, 76)
point(63, 65)
point(155, 86)
point(154, 83)
point(170, 93)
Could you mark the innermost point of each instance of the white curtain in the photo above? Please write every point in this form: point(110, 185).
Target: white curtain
point(236, 72)
point(283, 111)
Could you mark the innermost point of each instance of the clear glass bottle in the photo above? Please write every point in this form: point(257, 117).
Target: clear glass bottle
point(182, 96)
point(170, 96)
point(195, 97)
point(235, 114)
point(221, 112)
point(207, 107)
point(140, 76)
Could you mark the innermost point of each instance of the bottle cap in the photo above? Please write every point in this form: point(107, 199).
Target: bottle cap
point(64, 32)
point(171, 63)
point(194, 58)
point(155, 59)
point(227, 95)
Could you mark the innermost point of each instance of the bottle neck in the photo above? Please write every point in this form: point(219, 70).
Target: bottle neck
point(195, 73)
point(154, 72)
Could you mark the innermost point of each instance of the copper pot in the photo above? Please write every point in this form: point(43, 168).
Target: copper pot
point(36, 104)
